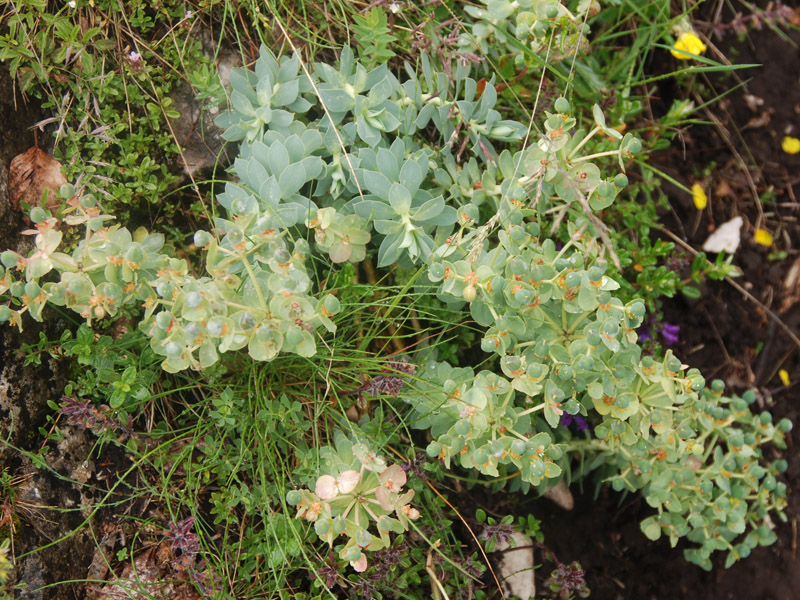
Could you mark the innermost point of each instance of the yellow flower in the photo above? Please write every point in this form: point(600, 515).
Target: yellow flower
point(688, 43)
point(784, 376)
point(763, 237)
point(790, 145)
point(699, 196)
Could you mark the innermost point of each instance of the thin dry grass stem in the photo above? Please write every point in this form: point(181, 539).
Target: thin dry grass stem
point(463, 521)
point(726, 137)
point(472, 534)
point(717, 335)
point(772, 315)
point(601, 228)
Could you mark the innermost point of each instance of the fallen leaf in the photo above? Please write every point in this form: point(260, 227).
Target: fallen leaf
point(790, 145)
point(726, 237)
point(699, 196)
point(763, 237)
point(30, 174)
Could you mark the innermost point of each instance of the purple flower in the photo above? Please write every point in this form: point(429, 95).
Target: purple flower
point(580, 422)
point(182, 538)
point(389, 385)
point(670, 333)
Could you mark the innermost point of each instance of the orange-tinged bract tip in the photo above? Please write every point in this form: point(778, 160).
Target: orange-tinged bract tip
point(699, 196)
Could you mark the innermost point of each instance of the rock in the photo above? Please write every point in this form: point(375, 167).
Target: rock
point(516, 566)
point(200, 139)
point(561, 495)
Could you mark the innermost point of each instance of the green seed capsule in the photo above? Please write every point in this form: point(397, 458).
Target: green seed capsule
point(535, 370)
point(293, 335)
point(293, 497)
point(216, 326)
point(621, 180)
point(38, 214)
point(541, 28)
point(202, 238)
point(518, 266)
point(194, 299)
point(561, 104)
point(331, 304)
point(480, 456)
point(17, 289)
point(9, 259)
point(173, 350)
point(32, 289)
point(610, 327)
point(469, 293)
point(523, 296)
point(635, 146)
point(66, 191)
point(573, 279)
point(436, 272)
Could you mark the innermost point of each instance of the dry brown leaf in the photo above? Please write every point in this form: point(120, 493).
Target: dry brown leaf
point(30, 174)
point(152, 574)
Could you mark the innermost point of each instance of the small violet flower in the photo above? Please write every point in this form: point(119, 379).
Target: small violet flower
point(670, 333)
point(580, 422)
point(135, 59)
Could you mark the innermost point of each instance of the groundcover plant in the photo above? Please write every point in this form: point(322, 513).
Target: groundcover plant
point(468, 214)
